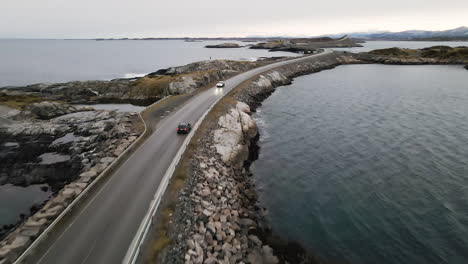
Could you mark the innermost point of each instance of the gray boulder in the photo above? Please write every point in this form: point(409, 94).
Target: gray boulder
point(48, 110)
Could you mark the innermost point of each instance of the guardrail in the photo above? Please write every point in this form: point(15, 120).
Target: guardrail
point(78, 199)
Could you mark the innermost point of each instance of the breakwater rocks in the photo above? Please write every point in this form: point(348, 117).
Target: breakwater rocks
point(150, 88)
point(64, 147)
point(431, 55)
point(220, 214)
point(217, 219)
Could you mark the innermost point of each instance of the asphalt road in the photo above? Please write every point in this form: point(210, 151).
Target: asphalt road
point(104, 229)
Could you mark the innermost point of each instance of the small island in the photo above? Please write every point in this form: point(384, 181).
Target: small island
point(224, 46)
point(306, 45)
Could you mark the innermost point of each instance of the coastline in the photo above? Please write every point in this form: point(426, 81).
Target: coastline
point(252, 93)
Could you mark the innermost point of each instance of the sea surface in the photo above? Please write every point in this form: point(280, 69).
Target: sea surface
point(49, 61)
point(369, 163)
point(26, 61)
point(16, 200)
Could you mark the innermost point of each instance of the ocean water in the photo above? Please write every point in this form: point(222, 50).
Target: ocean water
point(16, 200)
point(48, 61)
point(369, 163)
point(26, 62)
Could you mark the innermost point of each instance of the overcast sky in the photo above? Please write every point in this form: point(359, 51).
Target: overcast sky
point(211, 18)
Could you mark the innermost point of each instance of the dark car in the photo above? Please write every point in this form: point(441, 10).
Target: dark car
point(184, 128)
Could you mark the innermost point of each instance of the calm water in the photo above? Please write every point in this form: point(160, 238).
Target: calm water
point(48, 61)
point(34, 61)
point(369, 163)
point(15, 200)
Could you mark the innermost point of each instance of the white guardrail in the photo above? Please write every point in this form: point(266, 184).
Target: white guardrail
point(70, 207)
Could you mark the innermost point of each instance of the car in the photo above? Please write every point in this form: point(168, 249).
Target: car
point(220, 84)
point(184, 128)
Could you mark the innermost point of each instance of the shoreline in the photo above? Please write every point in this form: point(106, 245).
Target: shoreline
point(252, 93)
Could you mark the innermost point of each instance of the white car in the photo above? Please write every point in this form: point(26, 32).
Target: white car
point(220, 84)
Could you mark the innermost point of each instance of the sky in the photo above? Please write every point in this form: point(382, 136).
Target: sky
point(217, 18)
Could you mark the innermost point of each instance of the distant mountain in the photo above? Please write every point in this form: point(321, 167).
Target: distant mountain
point(460, 33)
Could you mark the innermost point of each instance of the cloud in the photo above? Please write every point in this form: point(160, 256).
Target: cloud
point(145, 18)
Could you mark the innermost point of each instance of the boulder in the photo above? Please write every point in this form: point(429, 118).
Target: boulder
point(48, 110)
point(237, 128)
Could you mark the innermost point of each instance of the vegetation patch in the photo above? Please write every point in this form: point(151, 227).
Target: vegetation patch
point(19, 101)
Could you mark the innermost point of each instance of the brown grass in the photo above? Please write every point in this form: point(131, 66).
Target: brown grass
point(19, 101)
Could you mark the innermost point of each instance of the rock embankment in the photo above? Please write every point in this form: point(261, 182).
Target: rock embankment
point(150, 88)
point(67, 151)
point(216, 218)
point(220, 226)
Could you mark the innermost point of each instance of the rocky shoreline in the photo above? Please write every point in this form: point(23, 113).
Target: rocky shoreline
point(145, 90)
point(217, 219)
point(62, 146)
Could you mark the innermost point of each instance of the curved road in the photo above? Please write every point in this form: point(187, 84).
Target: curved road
point(103, 230)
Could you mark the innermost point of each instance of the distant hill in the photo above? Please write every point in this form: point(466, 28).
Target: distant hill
point(460, 33)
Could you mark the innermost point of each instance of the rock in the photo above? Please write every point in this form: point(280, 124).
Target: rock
point(107, 160)
point(247, 222)
point(89, 174)
point(205, 192)
point(48, 110)
point(35, 223)
point(255, 240)
point(255, 257)
point(268, 256)
point(466, 67)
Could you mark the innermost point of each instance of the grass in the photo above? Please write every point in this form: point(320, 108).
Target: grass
point(19, 101)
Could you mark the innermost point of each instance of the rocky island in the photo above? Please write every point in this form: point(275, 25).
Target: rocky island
point(224, 46)
point(431, 55)
point(306, 45)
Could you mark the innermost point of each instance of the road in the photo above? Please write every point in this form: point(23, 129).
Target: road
point(104, 229)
